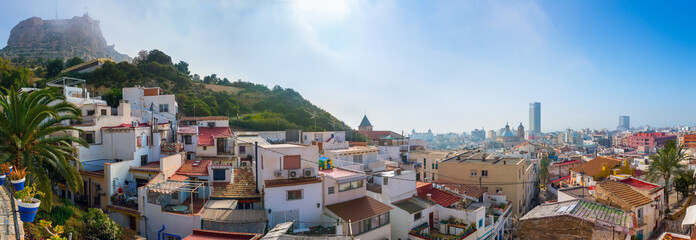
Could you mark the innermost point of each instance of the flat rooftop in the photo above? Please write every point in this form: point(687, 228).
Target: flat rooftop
point(479, 157)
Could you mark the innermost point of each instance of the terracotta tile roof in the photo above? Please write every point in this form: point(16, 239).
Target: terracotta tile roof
point(186, 130)
point(625, 193)
point(438, 196)
point(210, 118)
point(291, 182)
point(465, 189)
point(152, 167)
point(194, 168)
point(177, 177)
point(358, 209)
point(594, 166)
point(243, 186)
point(200, 234)
point(207, 135)
point(586, 210)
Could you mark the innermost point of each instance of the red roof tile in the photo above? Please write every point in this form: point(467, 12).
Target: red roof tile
point(194, 168)
point(207, 135)
point(639, 184)
point(438, 196)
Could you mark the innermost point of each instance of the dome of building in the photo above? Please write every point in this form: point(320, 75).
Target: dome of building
point(508, 134)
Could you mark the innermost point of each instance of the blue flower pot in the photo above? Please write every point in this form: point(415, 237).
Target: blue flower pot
point(2, 179)
point(18, 184)
point(27, 211)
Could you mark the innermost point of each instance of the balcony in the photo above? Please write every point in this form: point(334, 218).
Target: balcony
point(125, 200)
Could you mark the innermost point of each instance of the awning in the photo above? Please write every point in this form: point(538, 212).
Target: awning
point(690, 216)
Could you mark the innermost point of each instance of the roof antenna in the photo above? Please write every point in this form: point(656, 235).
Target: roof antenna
point(56, 9)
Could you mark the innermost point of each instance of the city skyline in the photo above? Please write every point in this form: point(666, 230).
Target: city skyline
point(459, 66)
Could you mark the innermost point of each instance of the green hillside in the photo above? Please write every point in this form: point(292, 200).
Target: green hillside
point(250, 106)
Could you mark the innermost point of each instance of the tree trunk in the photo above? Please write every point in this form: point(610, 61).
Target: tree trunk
point(667, 193)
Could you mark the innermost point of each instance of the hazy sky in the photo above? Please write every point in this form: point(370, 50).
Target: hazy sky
point(444, 65)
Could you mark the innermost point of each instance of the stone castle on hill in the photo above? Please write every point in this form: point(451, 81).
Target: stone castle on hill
point(60, 38)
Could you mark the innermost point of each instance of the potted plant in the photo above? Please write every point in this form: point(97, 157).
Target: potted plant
point(17, 178)
point(6, 168)
point(27, 204)
point(2, 178)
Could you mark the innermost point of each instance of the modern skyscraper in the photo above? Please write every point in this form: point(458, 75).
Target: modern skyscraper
point(624, 122)
point(535, 117)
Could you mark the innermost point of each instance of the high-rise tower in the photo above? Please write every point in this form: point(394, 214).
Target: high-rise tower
point(624, 122)
point(535, 117)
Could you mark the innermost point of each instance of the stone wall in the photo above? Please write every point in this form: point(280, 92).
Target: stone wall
point(565, 227)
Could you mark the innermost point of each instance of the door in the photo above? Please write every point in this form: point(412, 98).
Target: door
point(131, 222)
point(430, 220)
point(221, 146)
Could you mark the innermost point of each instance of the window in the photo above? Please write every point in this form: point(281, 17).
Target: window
point(89, 137)
point(417, 216)
point(103, 112)
point(425, 162)
point(143, 160)
point(205, 148)
point(294, 194)
point(242, 149)
point(331, 190)
point(218, 174)
point(211, 124)
point(291, 162)
point(640, 216)
point(187, 139)
point(350, 185)
point(473, 172)
point(170, 237)
point(90, 112)
point(357, 158)
point(164, 107)
point(484, 173)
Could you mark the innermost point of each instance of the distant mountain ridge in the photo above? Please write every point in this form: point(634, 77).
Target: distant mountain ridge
point(61, 38)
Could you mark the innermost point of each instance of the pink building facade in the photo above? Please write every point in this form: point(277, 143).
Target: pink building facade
point(655, 139)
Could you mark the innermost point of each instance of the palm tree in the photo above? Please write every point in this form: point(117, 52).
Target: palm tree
point(32, 137)
point(665, 164)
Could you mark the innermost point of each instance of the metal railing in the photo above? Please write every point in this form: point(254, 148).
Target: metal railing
point(5, 214)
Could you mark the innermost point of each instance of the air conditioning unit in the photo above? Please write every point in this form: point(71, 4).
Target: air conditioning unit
point(308, 172)
point(280, 173)
point(295, 173)
point(134, 124)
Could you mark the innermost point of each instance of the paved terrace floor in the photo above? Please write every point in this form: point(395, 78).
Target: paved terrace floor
point(7, 225)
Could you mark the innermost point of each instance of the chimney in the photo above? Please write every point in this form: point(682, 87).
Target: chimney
point(430, 197)
point(124, 108)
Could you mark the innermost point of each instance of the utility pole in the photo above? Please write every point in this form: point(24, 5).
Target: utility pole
point(256, 160)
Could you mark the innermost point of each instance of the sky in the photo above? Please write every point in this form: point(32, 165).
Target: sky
point(449, 66)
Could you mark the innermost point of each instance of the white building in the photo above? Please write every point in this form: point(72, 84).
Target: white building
point(287, 176)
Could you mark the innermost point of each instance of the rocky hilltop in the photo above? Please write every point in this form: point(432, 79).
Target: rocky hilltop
point(61, 38)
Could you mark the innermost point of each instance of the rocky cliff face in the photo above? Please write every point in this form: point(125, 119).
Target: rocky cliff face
point(62, 38)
